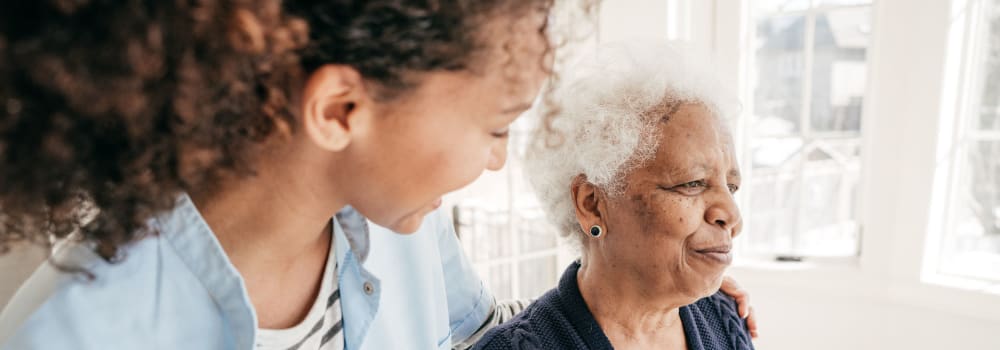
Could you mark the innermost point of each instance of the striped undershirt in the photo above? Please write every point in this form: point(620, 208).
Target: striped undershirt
point(323, 327)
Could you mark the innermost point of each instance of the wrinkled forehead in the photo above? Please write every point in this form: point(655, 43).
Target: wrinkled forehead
point(694, 137)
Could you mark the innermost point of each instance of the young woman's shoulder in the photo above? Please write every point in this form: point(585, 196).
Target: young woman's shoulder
point(125, 302)
point(57, 305)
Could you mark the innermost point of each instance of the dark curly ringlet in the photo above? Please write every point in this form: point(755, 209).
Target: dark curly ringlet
point(110, 108)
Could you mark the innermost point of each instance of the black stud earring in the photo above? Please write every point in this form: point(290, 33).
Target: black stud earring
point(596, 231)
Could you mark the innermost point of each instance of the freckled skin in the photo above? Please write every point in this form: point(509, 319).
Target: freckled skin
point(655, 225)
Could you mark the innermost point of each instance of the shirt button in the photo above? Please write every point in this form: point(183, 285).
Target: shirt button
point(369, 288)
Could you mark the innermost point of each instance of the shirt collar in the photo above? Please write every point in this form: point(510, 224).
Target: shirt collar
point(360, 290)
point(197, 247)
point(356, 232)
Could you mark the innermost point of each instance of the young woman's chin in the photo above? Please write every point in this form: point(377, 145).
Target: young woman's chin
point(411, 222)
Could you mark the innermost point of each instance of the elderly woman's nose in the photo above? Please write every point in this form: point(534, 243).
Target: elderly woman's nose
point(723, 212)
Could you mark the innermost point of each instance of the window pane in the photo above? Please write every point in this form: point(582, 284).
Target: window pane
point(839, 70)
point(827, 214)
point(778, 91)
point(537, 276)
point(775, 153)
point(483, 231)
point(500, 281)
point(519, 263)
point(771, 214)
point(984, 164)
point(989, 113)
point(536, 232)
point(802, 197)
point(975, 232)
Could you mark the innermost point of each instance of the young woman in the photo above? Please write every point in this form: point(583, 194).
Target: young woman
point(192, 153)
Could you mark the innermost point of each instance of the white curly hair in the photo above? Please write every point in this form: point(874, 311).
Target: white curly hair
point(605, 121)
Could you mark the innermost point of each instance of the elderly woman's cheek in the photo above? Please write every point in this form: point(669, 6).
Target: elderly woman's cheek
point(668, 212)
point(650, 215)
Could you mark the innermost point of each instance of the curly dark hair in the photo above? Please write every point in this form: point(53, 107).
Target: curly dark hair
point(110, 108)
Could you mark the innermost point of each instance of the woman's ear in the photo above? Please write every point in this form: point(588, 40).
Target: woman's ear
point(587, 200)
point(336, 107)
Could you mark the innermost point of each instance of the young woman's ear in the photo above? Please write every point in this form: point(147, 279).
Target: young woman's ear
point(335, 106)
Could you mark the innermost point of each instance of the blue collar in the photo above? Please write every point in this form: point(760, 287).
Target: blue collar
point(199, 249)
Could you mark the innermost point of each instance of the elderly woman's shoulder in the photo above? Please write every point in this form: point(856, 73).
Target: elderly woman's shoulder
point(719, 311)
point(542, 325)
point(719, 303)
point(518, 333)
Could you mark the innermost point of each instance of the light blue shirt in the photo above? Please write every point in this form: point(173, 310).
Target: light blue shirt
point(178, 290)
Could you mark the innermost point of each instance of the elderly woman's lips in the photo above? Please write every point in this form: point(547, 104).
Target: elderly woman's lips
point(718, 255)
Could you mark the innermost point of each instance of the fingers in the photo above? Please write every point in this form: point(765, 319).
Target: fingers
point(752, 324)
point(742, 297)
point(733, 289)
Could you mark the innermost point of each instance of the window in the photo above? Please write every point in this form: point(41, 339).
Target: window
point(802, 136)
point(517, 263)
point(970, 245)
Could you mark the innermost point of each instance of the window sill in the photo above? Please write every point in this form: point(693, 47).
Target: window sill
point(771, 263)
point(961, 296)
point(964, 297)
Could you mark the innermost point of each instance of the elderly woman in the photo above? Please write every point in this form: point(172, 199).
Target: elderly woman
point(640, 170)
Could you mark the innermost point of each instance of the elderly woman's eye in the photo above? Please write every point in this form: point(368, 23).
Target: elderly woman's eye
point(694, 184)
point(733, 188)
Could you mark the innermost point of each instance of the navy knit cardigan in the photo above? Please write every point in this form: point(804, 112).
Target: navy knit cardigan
point(560, 319)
